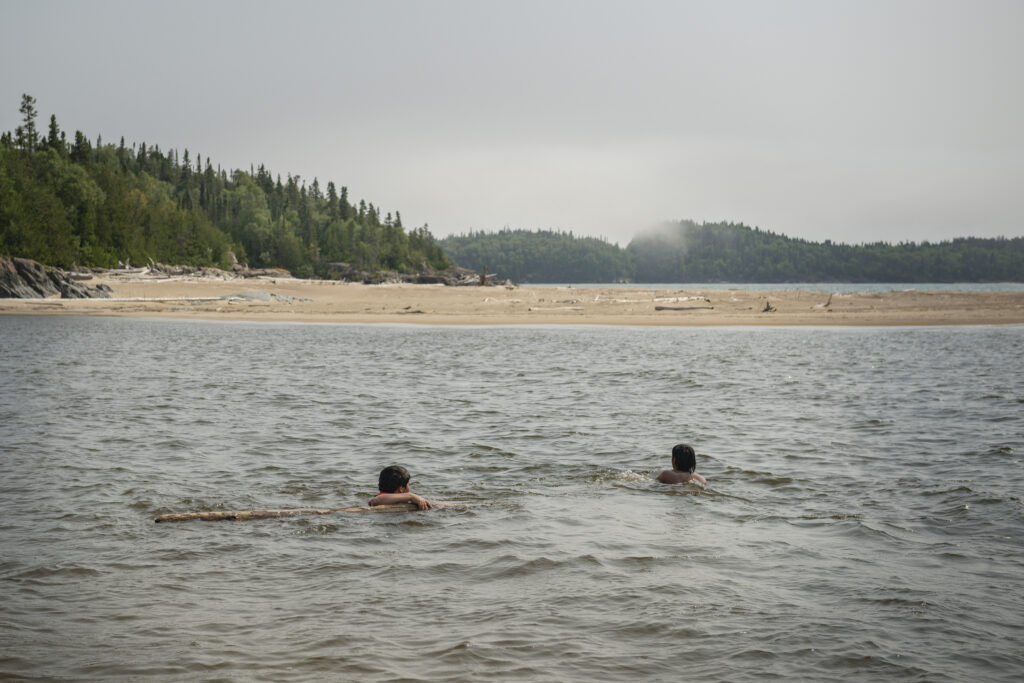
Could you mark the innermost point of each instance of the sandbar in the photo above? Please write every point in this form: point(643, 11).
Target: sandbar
point(296, 300)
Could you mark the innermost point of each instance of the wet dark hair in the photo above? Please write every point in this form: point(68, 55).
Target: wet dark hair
point(683, 458)
point(392, 478)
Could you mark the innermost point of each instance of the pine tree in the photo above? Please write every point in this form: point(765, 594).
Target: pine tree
point(53, 136)
point(332, 200)
point(81, 150)
point(28, 137)
point(343, 205)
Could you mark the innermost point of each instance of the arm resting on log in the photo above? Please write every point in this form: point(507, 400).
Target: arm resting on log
point(246, 515)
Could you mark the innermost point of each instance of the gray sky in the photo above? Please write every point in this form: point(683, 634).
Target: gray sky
point(852, 121)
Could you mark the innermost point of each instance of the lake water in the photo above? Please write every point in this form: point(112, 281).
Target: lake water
point(863, 516)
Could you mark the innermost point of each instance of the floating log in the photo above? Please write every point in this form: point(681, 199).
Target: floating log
point(684, 308)
point(246, 515)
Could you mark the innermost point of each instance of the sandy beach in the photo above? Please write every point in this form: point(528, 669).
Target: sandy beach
point(294, 300)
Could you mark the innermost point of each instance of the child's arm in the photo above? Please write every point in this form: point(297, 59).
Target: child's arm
point(398, 498)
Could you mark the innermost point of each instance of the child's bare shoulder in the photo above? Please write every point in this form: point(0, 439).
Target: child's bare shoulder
point(676, 477)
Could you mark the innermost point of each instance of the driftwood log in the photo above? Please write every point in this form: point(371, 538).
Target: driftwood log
point(684, 308)
point(246, 515)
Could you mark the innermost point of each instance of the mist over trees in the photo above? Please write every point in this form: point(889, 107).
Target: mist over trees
point(69, 202)
point(686, 251)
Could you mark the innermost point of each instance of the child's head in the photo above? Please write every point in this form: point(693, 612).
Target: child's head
point(683, 458)
point(392, 478)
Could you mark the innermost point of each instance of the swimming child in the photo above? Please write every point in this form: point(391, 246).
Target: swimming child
point(684, 462)
point(394, 489)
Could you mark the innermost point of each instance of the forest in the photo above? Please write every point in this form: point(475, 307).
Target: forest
point(67, 202)
point(541, 256)
point(686, 251)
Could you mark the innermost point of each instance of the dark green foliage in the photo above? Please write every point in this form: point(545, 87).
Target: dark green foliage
point(728, 252)
point(68, 203)
point(75, 204)
point(28, 137)
point(542, 256)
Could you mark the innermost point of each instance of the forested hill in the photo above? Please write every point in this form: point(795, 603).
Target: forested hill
point(726, 252)
point(542, 256)
point(686, 251)
point(67, 202)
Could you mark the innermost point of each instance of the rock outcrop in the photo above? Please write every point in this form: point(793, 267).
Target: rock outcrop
point(26, 279)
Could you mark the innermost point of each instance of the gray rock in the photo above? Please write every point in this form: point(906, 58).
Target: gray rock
point(26, 279)
point(35, 276)
point(12, 286)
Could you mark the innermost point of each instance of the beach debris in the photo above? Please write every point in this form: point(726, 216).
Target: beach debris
point(162, 271)
point(768, 308)
point(684, 308)
point(263, 296)
point(555, 308)
point(679, 299)
point(657, 299)
point(249, 296)
point(453, 276)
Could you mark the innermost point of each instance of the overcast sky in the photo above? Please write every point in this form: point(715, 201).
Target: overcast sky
point(852, 121)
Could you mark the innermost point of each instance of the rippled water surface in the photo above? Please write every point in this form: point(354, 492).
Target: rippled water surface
point(862, 519)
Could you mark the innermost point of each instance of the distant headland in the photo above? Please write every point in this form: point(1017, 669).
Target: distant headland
point(69, 202)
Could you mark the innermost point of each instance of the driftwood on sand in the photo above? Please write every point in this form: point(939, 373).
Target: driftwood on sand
point(684, 308)
point(246, 515)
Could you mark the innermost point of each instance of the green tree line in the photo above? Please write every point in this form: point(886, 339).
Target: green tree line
point(69, 202)
point(686, 251)
point(541, 256)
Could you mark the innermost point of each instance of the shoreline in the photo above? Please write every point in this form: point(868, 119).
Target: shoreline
point(293, 300)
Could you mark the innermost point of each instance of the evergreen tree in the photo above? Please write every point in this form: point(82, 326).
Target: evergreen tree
point(53, 137)
point(332, 201)
point(81, 152)
point(28, 137)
